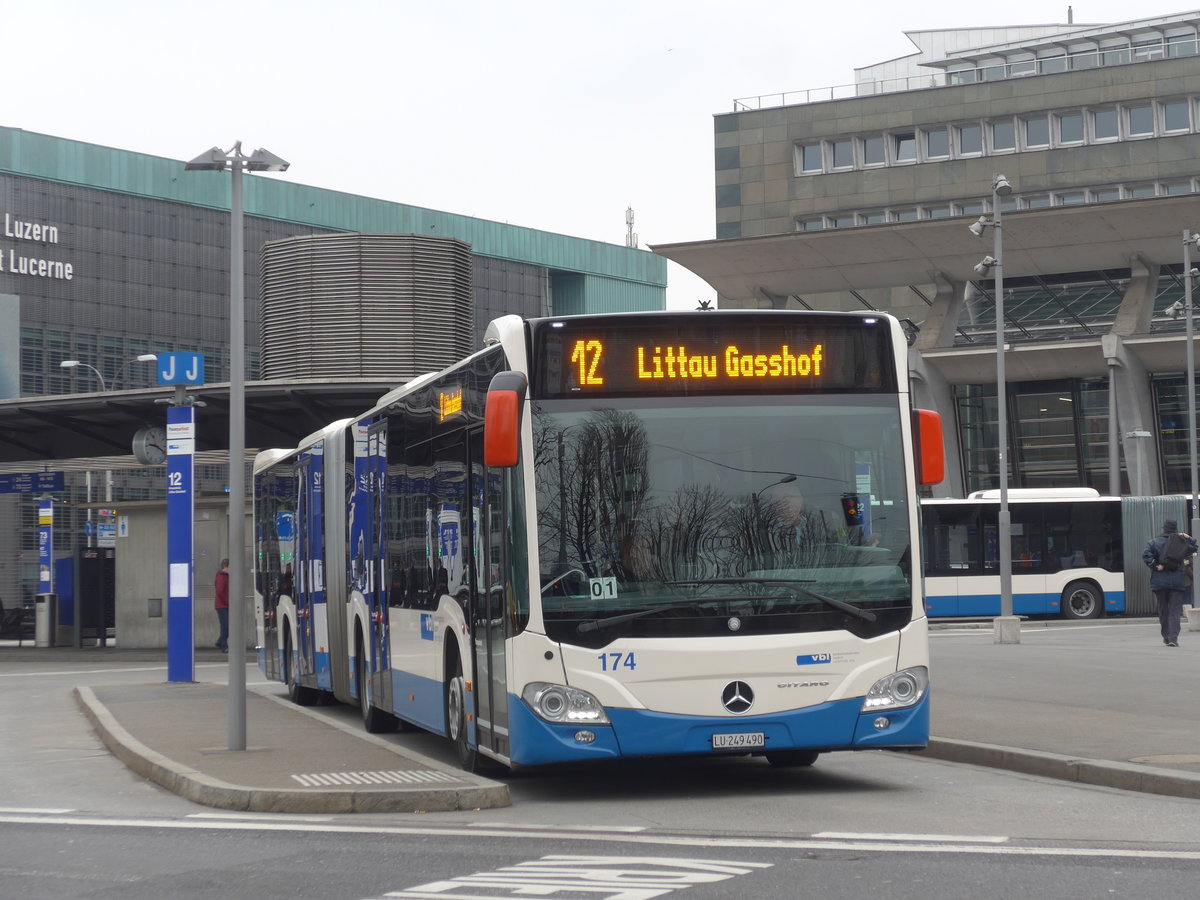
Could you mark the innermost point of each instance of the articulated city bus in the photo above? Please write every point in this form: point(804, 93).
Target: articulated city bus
point(614, 536)
point(1067, 553)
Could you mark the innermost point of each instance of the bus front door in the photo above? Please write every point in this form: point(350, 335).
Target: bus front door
point(488, 516)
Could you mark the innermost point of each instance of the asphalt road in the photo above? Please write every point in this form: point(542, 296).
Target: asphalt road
point(75, 823)
point(223, 857)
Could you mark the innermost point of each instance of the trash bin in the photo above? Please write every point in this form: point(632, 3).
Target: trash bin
point(45, 620)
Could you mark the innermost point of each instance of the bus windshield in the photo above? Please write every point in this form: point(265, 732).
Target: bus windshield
point(707, 516)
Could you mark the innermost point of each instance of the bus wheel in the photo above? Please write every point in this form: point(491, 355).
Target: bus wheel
point(793, 758)
point(456, 719)
point(375, 720)
point(1081, 600)
point(300, 695)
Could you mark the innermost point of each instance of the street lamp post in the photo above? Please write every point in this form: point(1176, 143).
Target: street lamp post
point(1189, 239)
point(145, 357)
point(72, 363)
point(216, 160)
point(1007, 627)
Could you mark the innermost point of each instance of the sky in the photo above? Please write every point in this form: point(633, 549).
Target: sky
point(551, 115)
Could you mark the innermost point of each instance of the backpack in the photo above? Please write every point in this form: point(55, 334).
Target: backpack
point(1174, 551)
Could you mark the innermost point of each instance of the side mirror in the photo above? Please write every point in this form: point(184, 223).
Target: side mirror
point(502, 419)
point(929, 449)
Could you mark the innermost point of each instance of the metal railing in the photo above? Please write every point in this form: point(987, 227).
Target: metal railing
point(1090, 59)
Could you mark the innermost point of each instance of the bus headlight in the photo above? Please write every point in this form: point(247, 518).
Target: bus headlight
point(559, 703)
point(898, 690)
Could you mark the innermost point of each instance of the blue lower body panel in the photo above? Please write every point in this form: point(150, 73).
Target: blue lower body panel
point(1023, 604)
point(634, 732)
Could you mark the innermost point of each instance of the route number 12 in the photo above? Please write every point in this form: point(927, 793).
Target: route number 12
point(586, 355)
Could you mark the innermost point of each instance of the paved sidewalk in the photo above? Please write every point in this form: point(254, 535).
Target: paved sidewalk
point(1100, 702)
point(176, 736)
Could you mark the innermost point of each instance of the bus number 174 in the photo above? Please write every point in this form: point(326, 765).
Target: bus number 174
point(610, 662)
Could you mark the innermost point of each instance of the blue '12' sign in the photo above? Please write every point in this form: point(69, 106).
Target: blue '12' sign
point(181, 448)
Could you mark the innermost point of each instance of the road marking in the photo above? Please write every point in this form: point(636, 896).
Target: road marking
point(259, 817)
point(948, 838)
point(605, 877)
point(614, 837)
point(32, 810)
point(623, 829)
point(392, 776)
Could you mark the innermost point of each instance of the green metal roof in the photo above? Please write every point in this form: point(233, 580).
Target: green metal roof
point(105, 168)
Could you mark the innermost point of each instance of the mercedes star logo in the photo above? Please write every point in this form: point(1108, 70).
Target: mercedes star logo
point(737, 697)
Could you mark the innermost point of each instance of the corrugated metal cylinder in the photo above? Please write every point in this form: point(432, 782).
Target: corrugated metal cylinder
point(364, 305)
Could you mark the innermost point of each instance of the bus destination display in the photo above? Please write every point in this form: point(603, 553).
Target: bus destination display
point(578, 358)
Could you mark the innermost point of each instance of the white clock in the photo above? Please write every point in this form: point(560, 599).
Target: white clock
point(150, 445)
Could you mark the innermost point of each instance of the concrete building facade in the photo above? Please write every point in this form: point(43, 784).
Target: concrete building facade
point(861, 197)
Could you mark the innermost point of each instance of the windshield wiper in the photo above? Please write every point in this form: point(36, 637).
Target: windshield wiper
point(865, 614)
point(597, 624)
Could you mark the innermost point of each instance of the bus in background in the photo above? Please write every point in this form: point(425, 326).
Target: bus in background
point(1067, 554)
point(624, 535)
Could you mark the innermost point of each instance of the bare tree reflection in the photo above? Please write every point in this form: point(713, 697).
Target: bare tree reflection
point(686, 535)
point(593, 493)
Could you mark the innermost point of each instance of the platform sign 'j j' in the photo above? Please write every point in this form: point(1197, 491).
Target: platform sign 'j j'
point(45, 546)
point(181, 448)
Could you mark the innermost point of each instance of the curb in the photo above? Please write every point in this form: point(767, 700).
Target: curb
point(1102, 773)
point(200, 788)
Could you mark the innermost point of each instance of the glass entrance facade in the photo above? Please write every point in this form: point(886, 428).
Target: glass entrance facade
point(1058, 434)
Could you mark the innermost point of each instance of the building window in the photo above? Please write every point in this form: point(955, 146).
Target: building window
point(875, 217)
point(1050, 64)
point(938, 212)
point(904, 146)
point(1004, 135)
point(993, 72)
point(904, 215)
point(1151, 49)
point(970, 208)
point(1070, 128)
point(1038, 201)
point(1104, 195)
point(1181, 45)
point(810, 158)
point(1084, 59)
point(937, 143)
point(1022, 67)
point(843, 154)
point(845, 220)
point(873, 151)
point(812, 225)
point(1072, 198)
point(1139, 119)
point(1139, 191)
point(1115, 56)
point(1175, 116)
point(1105, 126)
point(1037, 131)
point(970, 140)
point(1177, 187)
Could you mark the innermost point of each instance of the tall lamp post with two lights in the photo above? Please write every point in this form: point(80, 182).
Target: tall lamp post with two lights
point(1006, 627)
point(217, 160)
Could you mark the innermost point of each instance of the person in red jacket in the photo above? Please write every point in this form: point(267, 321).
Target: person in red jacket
point(221, 604)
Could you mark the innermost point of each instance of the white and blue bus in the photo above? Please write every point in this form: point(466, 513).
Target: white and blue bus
point(611, 536)
point(1067, 554)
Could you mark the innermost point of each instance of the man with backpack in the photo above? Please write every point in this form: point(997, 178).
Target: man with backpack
point(1167, 556)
